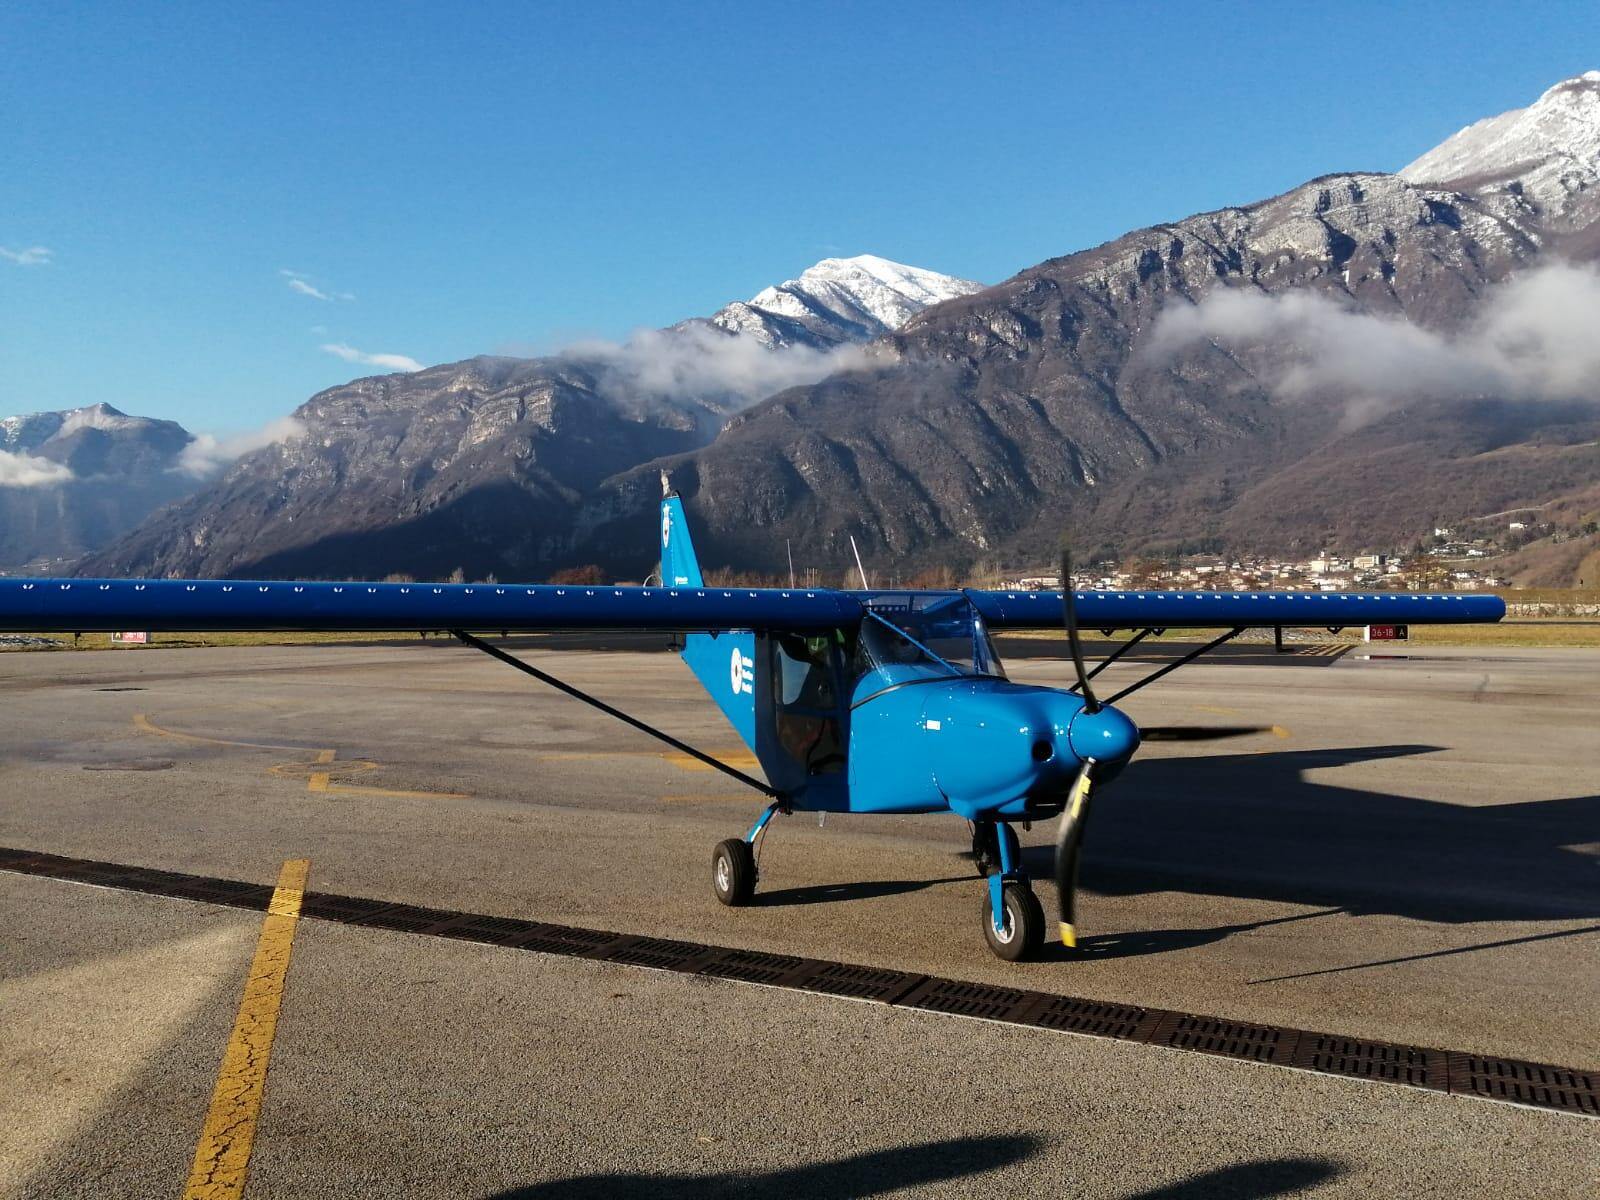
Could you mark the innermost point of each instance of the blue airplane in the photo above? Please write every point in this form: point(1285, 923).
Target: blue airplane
point(852, 701)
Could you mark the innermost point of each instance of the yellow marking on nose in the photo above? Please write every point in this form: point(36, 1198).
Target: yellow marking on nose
point(228, 1135)
point(1069, 936)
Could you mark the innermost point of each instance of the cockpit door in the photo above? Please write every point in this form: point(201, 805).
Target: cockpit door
point(803, 732)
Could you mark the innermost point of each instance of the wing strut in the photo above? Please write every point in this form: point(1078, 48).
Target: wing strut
point(542, 677)
point(1116, 654)
point(1173, 666)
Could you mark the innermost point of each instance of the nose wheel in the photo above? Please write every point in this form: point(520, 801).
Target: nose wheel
point(1020, 932)
point(1013, 920)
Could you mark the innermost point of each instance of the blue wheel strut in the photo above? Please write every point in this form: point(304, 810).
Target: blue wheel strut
point(998, 881)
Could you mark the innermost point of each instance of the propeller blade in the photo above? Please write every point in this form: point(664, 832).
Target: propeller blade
point(1069, 843)
point(1069, 614)
point(1199, 733)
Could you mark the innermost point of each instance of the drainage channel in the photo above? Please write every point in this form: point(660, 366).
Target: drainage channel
point(1538, 1085)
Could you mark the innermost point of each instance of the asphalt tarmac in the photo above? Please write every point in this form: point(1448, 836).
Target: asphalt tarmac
point(1411, 855)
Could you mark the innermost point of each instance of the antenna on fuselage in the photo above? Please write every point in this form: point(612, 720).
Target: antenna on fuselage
point(860, 570)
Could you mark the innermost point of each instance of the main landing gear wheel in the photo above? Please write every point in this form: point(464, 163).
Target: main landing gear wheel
point(986, 848)
point(733, 872)
point(1023, 931)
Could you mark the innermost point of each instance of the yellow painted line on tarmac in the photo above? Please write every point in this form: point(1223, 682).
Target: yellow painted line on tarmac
point(320, 782)
point(319, 779)
point(739, 758)
point(228, 1136)
point(146, 725)
point(734, 758)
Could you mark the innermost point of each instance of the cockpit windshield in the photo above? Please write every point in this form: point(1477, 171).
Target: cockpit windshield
point(911, 634)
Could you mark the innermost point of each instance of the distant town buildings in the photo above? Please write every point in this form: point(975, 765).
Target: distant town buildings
point(1440, 567)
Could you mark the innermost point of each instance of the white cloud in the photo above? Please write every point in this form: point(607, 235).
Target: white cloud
point(389, 362)
point(208, 453)
point(1531, 338)
point(305, 289)
point(30, 256)
point(695, 360)
point(302, 283)
point(26, 470)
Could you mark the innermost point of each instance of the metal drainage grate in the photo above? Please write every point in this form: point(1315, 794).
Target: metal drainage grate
point(971, 999)
point(755, 966)
point(1228, 1039)
point(1097, 1018)
point(1382, 1061)
point(857, 983)
point(1562, 1089)
point(493, 931)
point(345, 909)
point(1526, 1083)
point(661, 953)
point(401, 918)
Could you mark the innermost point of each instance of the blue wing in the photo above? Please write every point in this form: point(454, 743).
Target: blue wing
point(107, 605)
point(1209, 610)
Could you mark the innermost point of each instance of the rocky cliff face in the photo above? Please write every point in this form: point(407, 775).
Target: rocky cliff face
point(72, 481)
point(493, 465)
point(994, 423)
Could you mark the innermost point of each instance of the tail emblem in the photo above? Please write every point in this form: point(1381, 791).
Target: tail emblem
point(741, 673)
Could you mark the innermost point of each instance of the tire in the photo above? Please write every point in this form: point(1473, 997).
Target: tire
point(733, 872)
point(986, 848)
point(1024, 925)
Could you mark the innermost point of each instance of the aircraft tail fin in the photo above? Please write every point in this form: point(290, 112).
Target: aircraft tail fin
point(724, 662)
point(679, 566)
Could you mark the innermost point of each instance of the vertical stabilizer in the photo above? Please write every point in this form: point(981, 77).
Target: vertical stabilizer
point(679, 566)
point(724, 662)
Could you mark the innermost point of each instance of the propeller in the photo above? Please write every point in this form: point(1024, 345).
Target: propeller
point(1075, 817)
point(1069, 844)
point(1069, 614)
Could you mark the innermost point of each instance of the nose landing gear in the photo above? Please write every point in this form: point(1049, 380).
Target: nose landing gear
point(1013, 919)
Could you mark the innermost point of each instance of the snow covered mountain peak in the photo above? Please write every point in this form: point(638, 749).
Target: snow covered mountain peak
point(1551, 148)
point(841, 300)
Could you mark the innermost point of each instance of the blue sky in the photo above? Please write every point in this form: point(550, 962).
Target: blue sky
point(455, 179)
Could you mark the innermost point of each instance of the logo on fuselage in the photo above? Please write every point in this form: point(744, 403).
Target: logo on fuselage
point(666, 524)
point(741, 673)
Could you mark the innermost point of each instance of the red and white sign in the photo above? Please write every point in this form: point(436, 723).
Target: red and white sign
point(130, 639)
point(1388, 633)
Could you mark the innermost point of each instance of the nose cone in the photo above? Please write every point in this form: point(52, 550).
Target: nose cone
point(1105, 736)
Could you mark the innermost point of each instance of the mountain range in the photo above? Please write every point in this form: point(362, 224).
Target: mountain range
point(73, 481)
point(1346, 363)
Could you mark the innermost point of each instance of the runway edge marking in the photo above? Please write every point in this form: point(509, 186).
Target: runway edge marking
point(222, 1158)
point(1567, 1091)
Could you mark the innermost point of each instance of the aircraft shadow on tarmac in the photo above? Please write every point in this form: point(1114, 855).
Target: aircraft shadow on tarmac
point(909, 1166)
point(1254, 826)
point(828, 893)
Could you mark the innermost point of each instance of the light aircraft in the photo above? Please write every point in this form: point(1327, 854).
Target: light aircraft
point(852, 701)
